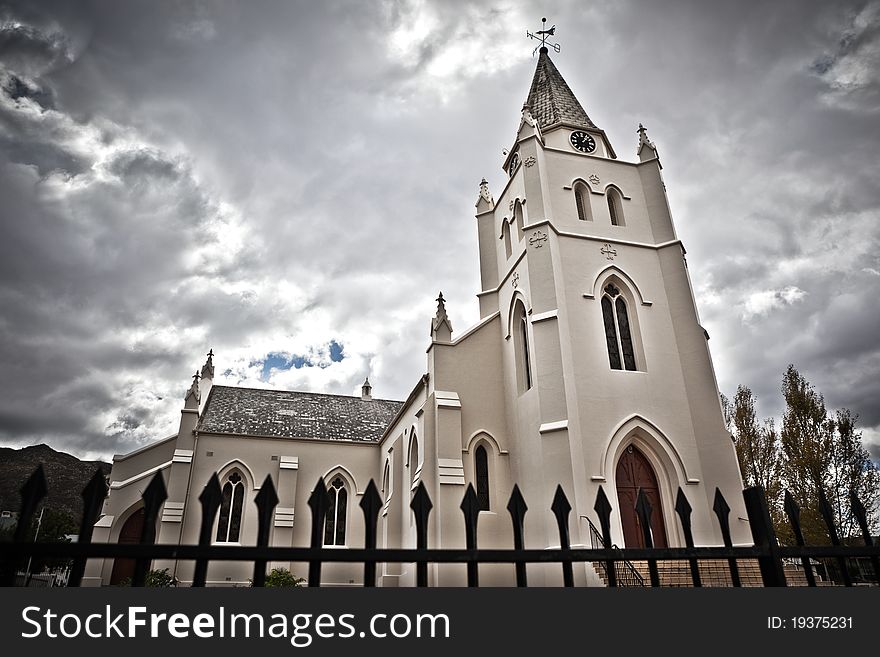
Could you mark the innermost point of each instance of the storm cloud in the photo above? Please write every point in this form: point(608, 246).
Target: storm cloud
point(272, 179)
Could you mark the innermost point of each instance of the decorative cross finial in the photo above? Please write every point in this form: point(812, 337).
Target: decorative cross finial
point(195, 377)
point(542, 34)
point(211, 353)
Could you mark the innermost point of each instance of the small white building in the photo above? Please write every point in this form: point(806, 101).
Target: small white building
point(589, 367)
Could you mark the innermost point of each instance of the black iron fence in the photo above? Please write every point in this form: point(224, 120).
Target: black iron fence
point(616, 564)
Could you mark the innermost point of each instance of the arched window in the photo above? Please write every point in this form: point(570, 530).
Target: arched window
point(414, 461)
point(618, 336)
point(615, 209)
point(231, 507)
point(386, 482)
point(520, 221)
point(520, 330)
point(481, 474)
point(582, 201)
point(505, 234)
point(334, 522)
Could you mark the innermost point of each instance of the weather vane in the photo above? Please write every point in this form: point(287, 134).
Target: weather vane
point(542, 34)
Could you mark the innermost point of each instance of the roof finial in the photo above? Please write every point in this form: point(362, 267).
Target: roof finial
point(544, 33)
point(484, 192)
point(208, 367)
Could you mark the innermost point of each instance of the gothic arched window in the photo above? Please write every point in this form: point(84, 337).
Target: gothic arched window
point(334, 522)
point(520, 330)
point(618, 335)
point(413, 461)
point(520, 221)
point(481, 474)
point(582, 201)
point(614, 207)
point(231, 508)
point(505, 233)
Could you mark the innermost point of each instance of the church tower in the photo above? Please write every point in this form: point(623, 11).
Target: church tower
point(607, 375)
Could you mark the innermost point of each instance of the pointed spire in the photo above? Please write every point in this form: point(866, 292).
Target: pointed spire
point(366, 390)
point(208, 367)
point(551, 101)
point(441, 327)
point(485, 202)
point(647, 150)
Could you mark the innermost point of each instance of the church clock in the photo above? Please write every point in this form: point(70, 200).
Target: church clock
point(582, 141)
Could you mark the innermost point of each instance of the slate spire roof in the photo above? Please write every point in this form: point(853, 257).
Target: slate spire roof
point(551, 101)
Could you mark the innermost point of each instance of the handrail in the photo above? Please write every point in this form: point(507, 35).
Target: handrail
point(630, 576)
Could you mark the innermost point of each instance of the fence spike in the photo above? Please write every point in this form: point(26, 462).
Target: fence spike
point(722, 512)
point(210, 499)
point(470, 506)
point(561, 508)
point(828, 515)
point(517, 508)
point(371, 504)
point(266, 501)
point(644, 510)
point(154, 496)
point(319, 502)
point(421, 506)
point(793, 511)
point(602, 507)
point(683, 509)
point(93, 499)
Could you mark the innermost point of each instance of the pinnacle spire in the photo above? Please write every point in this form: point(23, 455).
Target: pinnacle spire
point(441, 327)
point(366, 390)
point(551, 101)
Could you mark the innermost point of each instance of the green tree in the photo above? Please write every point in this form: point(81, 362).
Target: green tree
point(823, 453)
point(757, 449)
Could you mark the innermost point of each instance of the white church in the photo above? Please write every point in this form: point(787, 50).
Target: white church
point(588, 367)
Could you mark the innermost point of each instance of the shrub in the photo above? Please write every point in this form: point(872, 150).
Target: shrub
point(283, 577)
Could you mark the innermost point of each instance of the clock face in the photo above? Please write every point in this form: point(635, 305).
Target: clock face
point(582, 141)
point(514, 162)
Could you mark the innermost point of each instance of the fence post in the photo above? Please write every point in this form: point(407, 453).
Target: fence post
point(722, 512)
point(764, 537)
point(32, 492)
point(421, 506)
point(93, 498)
point(828, 516)
point(858, 510)
point(154, 496)
point(470, 507)
point(561, 508)
point(371, 503)
point(603, 508)
point(644, 511)
point(266, 501)
point(318, 502)
point(210, 499)
point(517, 508)
point(793, 511)
point(683, 509)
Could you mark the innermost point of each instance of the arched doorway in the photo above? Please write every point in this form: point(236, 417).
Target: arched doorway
point(130, 533)
point(634, 472)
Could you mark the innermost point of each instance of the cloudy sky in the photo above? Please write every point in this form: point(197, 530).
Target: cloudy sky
point(291, 184)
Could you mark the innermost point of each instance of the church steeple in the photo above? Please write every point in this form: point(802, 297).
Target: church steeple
point(551, 101)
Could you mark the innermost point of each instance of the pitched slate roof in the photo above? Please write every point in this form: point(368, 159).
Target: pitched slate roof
point(551, 101)
point(288, 414)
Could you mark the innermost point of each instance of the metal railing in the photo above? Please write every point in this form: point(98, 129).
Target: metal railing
point(765, 550)
point(628, 576)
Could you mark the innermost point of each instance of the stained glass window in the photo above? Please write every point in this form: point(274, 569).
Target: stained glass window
point(334, 522)
point(481, 467)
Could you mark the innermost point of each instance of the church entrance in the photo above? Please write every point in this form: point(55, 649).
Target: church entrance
point(130, 533)
point(634, 472)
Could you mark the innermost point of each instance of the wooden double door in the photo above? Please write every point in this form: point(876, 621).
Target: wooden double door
point(634, 472)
